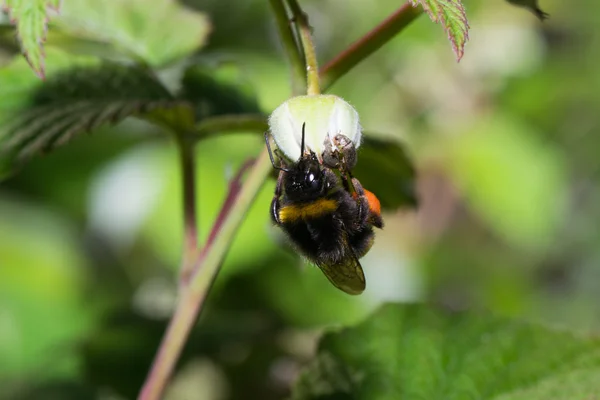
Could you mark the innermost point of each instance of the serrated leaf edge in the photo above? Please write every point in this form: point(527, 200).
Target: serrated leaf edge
point(439, 16)
point(54, 5)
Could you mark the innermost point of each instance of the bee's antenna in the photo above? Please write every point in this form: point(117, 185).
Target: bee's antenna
point(302, 145)
point(271, 154)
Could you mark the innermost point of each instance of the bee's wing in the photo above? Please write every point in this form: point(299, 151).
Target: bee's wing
point(347, 275)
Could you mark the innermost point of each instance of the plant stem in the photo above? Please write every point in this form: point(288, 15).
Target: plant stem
point(170, 347)
point(190, 223)
point(235, 186)
point(310, 58)
point(205, 273)
point(290, 45)
point(230, 123)
point(205, 270)
point(368, 44)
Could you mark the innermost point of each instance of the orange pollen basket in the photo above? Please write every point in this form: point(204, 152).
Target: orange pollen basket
point(374, 204)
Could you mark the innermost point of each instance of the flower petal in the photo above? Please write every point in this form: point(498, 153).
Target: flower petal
point(324, 115)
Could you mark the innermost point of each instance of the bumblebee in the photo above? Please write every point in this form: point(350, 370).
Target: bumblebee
point(325, 212)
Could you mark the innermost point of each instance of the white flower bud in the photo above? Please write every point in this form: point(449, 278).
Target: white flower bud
point(325, 116)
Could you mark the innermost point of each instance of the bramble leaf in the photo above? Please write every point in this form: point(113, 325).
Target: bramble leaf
point(385, 169)
point(531, 5)
point(31, 20)
point(217, 91)
point(414, 352)
point(452, 15)
point(39, 116)
point(157, 32)
point(83, 93)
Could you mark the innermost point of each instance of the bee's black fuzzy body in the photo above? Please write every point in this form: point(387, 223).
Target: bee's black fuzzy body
point(325, 222)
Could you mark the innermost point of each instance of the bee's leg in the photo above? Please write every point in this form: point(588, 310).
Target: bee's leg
point(330, 178)
point(362, 203)
point(339, 153)
point(276, 202)
point(362, 241)
point(360, 191)
point(348, 150)
point(331, 155)
point(279, 155)
point(368, 204)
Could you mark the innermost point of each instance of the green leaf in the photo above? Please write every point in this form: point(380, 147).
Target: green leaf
point(157, 32)
point(18, 84)
point(416, 352)
point(531, 5)
point(452, 15)
point(31, 19)
point(218, 91)
point(38, 118)
point(577, 384)
point(385, 169)
point(82, 93)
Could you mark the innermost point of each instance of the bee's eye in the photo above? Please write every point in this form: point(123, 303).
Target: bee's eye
point(312, 179)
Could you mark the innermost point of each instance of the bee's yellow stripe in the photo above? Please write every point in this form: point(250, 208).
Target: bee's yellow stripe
point(311, 210)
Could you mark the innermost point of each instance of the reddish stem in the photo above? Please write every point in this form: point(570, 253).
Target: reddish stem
point(235, 185)
point(367, 44)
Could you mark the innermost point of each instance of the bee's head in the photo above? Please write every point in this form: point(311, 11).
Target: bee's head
point(306, 179)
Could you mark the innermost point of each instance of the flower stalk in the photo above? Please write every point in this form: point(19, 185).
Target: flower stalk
point(290, 46)
point(310, 58)
point(190, 223)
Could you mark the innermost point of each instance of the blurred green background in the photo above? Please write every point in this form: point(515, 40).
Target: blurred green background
point(506, 147)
